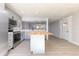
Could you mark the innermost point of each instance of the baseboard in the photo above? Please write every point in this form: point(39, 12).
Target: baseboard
point(52, 36)
point(61, 38)
point(58, 37)
point(74, 43)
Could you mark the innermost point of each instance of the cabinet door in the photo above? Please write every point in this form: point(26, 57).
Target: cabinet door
point(10, 40)
point(22, 35)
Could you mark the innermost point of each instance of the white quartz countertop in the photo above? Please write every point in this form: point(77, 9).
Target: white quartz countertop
point(24, 30)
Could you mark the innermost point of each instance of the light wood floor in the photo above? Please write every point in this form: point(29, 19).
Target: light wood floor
point(60, 47)
point(54, 47)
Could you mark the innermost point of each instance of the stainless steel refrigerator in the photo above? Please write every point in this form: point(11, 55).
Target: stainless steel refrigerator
point(3, 32)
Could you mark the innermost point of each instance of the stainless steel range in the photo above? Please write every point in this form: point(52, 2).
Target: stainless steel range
point(16, 36)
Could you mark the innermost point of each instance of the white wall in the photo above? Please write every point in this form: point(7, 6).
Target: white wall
point(2, 7)
point(55, 28)
point(75, 29)
point(49, 29)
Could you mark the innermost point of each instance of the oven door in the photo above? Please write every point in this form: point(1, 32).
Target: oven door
point(17, 36)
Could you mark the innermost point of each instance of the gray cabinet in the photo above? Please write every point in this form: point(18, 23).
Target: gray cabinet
point(25, 35)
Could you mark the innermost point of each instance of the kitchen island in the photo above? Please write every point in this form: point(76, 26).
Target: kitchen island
point(37, 42)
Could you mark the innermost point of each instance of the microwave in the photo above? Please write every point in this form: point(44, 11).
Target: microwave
point(12, 23)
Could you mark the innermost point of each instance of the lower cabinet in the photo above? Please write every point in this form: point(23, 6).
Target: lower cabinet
point(10, 40)
point(25, 35)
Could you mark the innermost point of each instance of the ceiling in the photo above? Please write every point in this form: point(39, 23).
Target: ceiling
point(54, 11)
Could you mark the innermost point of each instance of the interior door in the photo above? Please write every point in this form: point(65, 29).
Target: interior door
point(67, 28)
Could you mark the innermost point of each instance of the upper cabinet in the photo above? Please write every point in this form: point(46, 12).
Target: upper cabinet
point(16, 17)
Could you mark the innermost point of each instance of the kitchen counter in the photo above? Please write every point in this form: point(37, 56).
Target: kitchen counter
point(40, 33)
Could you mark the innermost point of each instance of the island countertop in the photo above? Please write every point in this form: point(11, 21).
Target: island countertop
point(40, 33)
